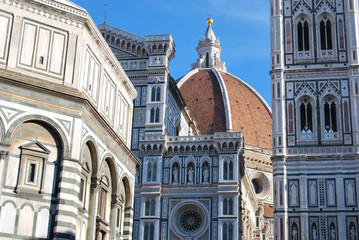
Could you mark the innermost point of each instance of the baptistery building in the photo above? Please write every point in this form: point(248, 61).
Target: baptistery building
point(204, 142)
point(66, 169)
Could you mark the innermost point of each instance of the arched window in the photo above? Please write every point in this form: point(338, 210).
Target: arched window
point(330, 119)
point(157, 117)
point(154, 49)
point(152, 115)
point(230, 175)
point(227, 231)
point(151, 171)
point(303, 35)
point(228, 206)
point(150, 207)
point(153, 94)
point(104, 201)
point(227, 169)
point(306, 119)
point(225, 207)
point(118, 42)
point(207, 60)
point(123, 44)
point(326, 35)
point(149, 231)
point(158, 94)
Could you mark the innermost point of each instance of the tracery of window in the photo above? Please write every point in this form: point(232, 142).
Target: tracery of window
point(149, 232)
point(151, 171)
point(303, 35)
point(154, 115)
point(228, 206)
point(156, 94)
point(227, 231)
point(150, 207)
point(330, 119)
point(306, 120)
point(190, 220)
point(228, 169)
point(326, 35)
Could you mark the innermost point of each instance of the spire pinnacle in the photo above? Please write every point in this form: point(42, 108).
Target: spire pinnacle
point(209, 20)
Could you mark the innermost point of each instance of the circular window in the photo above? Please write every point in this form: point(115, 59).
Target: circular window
point(256, 186)
point(261, 185)
point(190, 220)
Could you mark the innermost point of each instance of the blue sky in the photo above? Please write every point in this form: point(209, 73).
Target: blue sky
point(242, 27)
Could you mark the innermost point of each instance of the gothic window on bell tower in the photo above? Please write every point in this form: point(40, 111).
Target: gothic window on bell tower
point(330, 120)
point(326, 35)
point(306, 120)
point(303, 35)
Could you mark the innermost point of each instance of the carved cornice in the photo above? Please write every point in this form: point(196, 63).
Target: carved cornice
point(58, 11)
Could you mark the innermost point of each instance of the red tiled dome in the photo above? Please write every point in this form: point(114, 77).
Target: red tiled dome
point(205, 92)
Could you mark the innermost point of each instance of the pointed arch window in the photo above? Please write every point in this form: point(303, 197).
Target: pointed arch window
point(149, 231)
point(227, 231)
point(306, 120)
point(156, 94)
point(228, 206)
point(151, 171)
point(154, 115)
point(150, 207)
point(330, 119)
point(303, 35)
point(227, 169)
point(326, 35)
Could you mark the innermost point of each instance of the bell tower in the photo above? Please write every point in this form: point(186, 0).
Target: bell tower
point(315, 102)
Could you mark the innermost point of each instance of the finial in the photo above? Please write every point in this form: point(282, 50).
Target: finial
point(209, 20)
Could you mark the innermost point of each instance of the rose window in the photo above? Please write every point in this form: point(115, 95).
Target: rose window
point(190, 220)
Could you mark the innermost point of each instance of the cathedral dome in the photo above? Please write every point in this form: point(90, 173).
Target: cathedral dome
point(220, 102)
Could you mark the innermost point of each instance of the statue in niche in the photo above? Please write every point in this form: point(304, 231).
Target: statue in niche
point(205, 174)
point(175, 174)
point(332, 233)
point(353, 235)
point(294, 233)
point(314, 233)
point(190, 175)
